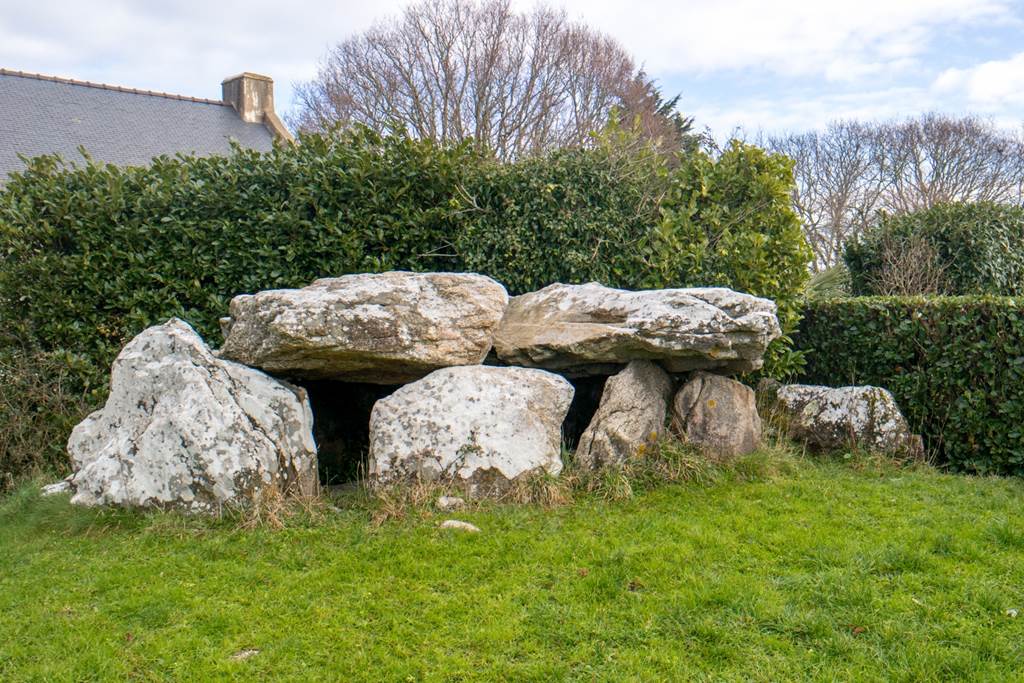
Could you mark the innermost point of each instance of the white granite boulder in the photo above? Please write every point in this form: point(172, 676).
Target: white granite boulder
point(385, 328)
point(481, 426)
point(717, 414)
point(185, 430)
point(827, 418)
point(593, 329)
point(630, 417)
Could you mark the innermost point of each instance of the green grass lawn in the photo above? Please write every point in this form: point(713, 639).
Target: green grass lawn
point(825, 572)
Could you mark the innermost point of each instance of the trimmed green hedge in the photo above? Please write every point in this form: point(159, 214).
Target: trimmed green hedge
point(979, 247)
point(41, 400)
point(954, 364)
point(572, 216)
point(93, 255)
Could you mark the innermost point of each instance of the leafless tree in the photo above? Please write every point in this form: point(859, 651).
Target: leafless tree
point(937, 159)
point(839, 184)
point(909, 267)
point(849, 172)
point(457, 69)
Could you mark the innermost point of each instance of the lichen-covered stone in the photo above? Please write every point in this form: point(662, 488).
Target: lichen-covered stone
point(384, 328)
point(481, 426)
point(183, 429)
point(717, 414)
point(592, 329)
point(630, 417)
point(827, 418)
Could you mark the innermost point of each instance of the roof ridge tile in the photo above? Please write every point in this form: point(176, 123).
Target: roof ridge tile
point(105, 86)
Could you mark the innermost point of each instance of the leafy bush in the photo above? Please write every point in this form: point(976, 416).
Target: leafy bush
point(95, 254)
point(729, 221)
point(829, 283)
point(41, 399)
point(976, 248)
point(954, 364)
point(571, 216)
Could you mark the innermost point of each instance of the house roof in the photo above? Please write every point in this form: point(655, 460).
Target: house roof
point(47, 115)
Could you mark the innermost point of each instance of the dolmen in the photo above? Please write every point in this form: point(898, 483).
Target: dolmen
point(485, 386)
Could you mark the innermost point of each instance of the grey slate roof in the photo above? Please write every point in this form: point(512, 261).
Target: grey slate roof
point(46, 115)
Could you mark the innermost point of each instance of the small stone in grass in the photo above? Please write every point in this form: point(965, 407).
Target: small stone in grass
point(448, 503)
point(456, 524)
point(55, 488)
point(244, 654)
point(1011, 613)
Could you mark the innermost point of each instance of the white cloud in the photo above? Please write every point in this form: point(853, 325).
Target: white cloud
point(829, 58)
point(181, 46)
point(803, 112)
point(790, 37)
point(988, 85)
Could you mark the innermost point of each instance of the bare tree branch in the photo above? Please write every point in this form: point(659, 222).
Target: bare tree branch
point(848, 173)
point(518, 84)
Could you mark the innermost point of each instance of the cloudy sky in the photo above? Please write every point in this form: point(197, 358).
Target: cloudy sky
point(749, 64)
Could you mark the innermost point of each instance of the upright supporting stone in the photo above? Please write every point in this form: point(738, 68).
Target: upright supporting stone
point(630, 418)
point(481, 426)
point(717, 414)
point(183, 429)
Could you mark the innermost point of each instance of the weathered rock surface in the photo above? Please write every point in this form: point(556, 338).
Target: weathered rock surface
point(717, 414)
point(479, 425)
point(56, 488)
point(830, 418)
point(385, 328)
point(182, 429)
point(630, 417)
point(584, 329)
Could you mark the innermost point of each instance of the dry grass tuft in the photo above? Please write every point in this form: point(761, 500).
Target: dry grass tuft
point(274, 509)
point(398, 501)
point(666, 462)
point(541, 489)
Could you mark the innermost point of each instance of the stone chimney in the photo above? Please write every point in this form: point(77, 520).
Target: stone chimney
point(252, 96)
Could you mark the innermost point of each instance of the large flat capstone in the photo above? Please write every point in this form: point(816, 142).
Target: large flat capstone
point(479, 425)
point(384, 328)
point(183, 429)
point(587, 329)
